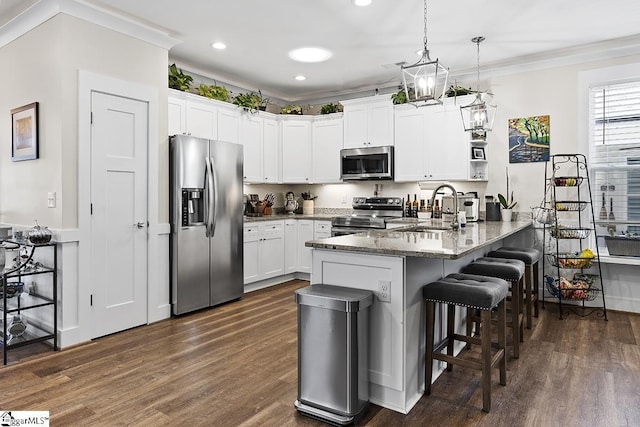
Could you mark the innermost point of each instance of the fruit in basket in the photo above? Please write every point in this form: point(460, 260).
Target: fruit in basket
point(587, 253)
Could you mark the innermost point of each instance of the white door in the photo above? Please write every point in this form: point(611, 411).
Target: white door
point(119, 135)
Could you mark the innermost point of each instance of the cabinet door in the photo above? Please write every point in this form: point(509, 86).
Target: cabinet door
point(296, 151)
point(380, 123)
point(448, 145)
point(290, 246)
point(176, 116)
point(409, 150)
point(327, 139)
point(305, 233)
point(228, 125)
point(251, 253)
point(355, 126)
point(251, 137)
point(271, 156)
point(202, 120)
point(272, 250)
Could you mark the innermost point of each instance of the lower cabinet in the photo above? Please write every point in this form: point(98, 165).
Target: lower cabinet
point(263, 250)
point(276, 248)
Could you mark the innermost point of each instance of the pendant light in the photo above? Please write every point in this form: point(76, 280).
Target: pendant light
point(426, 80)
point(478, 116)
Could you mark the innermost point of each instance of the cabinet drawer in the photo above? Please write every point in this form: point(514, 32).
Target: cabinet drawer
point(323, 227)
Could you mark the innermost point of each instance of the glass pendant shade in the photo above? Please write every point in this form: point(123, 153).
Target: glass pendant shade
point(425, 81)
point(478, 115)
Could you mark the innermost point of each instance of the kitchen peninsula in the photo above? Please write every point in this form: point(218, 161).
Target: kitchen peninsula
point(394, 264)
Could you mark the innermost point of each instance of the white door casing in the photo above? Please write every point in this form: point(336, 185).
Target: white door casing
point(119, 140)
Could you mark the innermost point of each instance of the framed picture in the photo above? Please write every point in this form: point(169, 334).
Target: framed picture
point(24, 132)
point(477, 153)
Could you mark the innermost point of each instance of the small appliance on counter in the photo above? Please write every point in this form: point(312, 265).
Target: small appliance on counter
point(468, 202)
point(493, 209)
point(252, 205)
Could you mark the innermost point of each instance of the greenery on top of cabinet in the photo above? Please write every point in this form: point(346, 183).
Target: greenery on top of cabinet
point(178, 79)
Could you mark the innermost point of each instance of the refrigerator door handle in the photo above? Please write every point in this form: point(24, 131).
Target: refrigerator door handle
point(208, 203)
point(214, 187)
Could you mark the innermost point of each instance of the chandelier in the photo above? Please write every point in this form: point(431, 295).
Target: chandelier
point(478, 116)
point(426, 80)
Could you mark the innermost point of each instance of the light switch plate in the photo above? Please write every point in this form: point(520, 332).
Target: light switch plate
point(51, 199)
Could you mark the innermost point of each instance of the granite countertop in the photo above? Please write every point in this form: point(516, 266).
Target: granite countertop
point(429, 243)
point(278, 217)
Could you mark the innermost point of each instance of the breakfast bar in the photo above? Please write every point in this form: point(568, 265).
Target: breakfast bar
point(395, 264)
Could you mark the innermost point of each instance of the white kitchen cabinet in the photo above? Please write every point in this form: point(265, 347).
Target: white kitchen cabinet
point(271, 154)
point(305, 233)
point(229, 124)
point(296, 149)
point(430, 144)
point(290, 246)
point(263, 250)
point(322, 229)
point(201, 118)
point(327, 139)
point(259, 136)
point(176, 116)
point(368, 122)
point(251, 139)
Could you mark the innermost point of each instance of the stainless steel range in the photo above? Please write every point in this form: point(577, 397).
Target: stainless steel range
point(368, 213)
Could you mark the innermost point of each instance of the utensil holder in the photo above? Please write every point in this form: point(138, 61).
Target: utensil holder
point(307, 207)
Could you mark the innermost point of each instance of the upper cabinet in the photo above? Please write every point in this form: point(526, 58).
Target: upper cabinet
point(229, 123)
point(177, 116)
point(296, 149)
point(259, 136)
point(431, 144)
point(368, 122)
point(327, 139)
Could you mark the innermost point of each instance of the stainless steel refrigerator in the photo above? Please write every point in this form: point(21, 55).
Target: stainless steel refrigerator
point(206, 222)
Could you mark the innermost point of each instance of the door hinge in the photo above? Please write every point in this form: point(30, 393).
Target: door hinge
point(91, 300)
point(92, 117)
point(91, 208)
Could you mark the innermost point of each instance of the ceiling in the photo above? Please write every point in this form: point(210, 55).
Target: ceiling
point(367, 42)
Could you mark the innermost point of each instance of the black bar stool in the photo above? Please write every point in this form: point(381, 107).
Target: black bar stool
point(485, 294)
point(511, 270)
point(530, 257)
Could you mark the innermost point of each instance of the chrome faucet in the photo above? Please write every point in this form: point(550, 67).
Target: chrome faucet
point(454, 222)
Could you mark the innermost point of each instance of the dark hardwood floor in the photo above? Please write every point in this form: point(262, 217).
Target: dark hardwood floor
point(235, 365)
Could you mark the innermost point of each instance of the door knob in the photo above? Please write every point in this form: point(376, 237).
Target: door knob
point(139, 224)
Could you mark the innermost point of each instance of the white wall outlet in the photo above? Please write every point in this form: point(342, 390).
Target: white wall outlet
point(344, 198)
point(51, 199)
point(384, 290)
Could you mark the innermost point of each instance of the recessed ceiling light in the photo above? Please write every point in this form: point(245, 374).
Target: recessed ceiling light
point(362, 2)
point(310, 54)
point(300, 77)
point(219, 45)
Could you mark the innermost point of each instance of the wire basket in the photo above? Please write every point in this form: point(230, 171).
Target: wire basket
point(567, 181)
point(579, 289)
point(622, 246)
point(13, 289)
point(567, 205)
point(569, 260)
point(570, 233)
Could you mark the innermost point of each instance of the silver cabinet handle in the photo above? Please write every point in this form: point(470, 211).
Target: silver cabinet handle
point(139, 224)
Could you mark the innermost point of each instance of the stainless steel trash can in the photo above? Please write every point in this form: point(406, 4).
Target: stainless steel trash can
point(333, 357)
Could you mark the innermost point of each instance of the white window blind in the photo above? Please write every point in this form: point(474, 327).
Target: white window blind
point(615, 155)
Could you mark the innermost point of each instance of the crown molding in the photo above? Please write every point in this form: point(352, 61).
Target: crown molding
point(44, 10)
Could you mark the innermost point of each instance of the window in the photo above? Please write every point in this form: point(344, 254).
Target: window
point(614, 112)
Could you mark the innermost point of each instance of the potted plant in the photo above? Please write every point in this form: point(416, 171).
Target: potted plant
point(455, 90)
point(400, 97)
point(507, 203)
point(330, 108)
point(214, 92)
point(250, 101)
point(178, 79)
point(291, 109)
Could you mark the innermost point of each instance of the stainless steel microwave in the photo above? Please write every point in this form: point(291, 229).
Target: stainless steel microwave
point(366, 163)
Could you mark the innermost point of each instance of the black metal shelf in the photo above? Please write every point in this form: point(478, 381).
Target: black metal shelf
point(17, 305)
point(570, 172)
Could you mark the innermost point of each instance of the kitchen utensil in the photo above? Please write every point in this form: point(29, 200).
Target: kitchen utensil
point(612, 217)
point(603, 209)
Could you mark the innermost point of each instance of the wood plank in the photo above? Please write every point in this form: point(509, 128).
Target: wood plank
point(236, 365)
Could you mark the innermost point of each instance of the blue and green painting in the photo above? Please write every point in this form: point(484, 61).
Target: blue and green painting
point(529, 139)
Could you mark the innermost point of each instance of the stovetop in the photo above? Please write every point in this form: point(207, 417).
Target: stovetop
point(371, 212)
